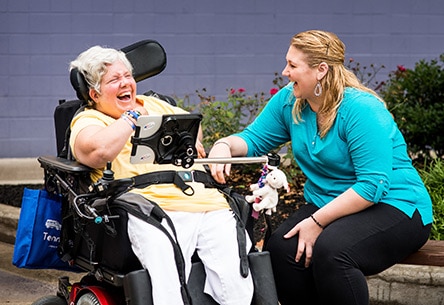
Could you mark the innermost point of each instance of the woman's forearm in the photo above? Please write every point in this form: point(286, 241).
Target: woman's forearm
point(238, 147)
point(345, 204)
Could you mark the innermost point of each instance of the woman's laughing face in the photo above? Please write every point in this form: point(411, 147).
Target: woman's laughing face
point(298, 72)
point(118, 91)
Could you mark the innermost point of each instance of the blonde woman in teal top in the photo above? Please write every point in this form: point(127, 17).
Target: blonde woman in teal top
point(367, 207)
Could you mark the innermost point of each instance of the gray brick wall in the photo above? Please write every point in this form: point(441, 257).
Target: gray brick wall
point(210, 44)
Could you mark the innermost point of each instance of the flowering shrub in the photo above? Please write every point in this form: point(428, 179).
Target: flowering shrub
point(415, 98)
point(223, 118)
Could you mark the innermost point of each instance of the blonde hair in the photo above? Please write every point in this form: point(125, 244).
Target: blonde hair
point(93, 64)
point(320, 46)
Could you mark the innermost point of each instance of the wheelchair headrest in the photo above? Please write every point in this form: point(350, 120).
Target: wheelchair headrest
point(148, 58)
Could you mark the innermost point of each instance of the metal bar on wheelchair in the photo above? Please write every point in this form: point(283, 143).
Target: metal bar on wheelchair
point(63, 184)
point(232, 160)
point(76, 205)
point(272, 159)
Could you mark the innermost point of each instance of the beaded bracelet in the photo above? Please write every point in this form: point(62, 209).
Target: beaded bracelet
point(134, 114)
point(316, 222)
point(129, 121)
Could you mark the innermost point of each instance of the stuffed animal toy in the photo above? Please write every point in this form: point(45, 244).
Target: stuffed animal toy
point(266, 197)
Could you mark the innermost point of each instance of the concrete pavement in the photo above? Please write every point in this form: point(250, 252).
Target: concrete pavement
point(24, 286)
point(18, 290)
point(21, 286)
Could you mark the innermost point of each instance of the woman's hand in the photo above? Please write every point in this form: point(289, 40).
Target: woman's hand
point(309, 229)
point(308, 232)
point(218, 171)
point(231, 146)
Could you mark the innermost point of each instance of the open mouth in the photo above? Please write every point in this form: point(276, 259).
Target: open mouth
point(125, 96)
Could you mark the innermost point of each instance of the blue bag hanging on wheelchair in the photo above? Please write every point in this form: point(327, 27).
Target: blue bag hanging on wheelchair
point(38, 232)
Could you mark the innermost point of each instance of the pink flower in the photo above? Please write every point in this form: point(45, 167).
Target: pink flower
point(273, 91)
point(401, 68)
point(240, 90)
point(232, 91)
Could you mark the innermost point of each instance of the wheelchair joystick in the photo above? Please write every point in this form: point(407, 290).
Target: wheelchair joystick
point(108, 174)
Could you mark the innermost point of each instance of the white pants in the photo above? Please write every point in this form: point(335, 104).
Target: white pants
point(213, 234)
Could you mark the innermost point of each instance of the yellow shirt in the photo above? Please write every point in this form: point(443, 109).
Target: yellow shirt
point(168, 196)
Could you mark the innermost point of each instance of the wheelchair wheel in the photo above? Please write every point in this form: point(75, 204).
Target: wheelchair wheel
point(50, 300)
point(88, 298)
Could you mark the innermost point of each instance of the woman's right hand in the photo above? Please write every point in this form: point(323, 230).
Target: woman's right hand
point(231, 146)
point(219, 171)
point(308, 232)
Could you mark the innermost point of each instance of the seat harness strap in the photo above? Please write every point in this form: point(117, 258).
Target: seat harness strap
point(177, 178)
point(154, 217)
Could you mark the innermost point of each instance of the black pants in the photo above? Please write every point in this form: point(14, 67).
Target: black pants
point(345, 252)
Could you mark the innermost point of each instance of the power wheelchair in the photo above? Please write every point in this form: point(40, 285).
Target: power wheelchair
point(94, 229)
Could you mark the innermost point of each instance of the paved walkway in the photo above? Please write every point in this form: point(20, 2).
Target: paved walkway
point(18, 290)
point(23, 286)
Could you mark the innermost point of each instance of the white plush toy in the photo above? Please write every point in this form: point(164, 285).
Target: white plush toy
point(267, 197)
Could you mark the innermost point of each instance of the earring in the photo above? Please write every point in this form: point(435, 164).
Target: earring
point(318, 89)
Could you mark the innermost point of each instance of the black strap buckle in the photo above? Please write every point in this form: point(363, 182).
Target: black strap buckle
point(180, 182)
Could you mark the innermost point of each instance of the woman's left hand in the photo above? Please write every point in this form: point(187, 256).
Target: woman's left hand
point(308, 232)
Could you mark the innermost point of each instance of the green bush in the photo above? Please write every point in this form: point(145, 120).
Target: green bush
point(415, 98)
point(433, 177)
point(223, 118)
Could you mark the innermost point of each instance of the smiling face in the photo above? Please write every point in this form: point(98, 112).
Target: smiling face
point(117, 91)
point(304, 77)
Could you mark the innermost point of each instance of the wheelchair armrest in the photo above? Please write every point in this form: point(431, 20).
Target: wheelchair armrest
point(64, 165)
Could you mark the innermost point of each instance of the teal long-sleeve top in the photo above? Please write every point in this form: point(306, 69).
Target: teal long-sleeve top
point(364, 150)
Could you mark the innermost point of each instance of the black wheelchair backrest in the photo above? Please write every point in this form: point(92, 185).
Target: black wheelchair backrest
point(148, 59)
